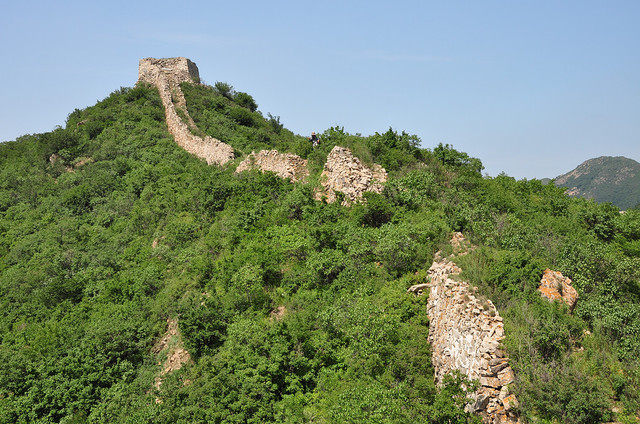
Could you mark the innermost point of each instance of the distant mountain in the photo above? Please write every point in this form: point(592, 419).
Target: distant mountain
point(614, 179)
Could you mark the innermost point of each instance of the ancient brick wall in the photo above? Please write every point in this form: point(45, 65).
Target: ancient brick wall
point(166, 75)
point(465, 333)
point(285, 165)
point(345, 173)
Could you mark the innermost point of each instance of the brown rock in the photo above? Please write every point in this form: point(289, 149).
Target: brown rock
point(506, 376)
point(481, 402)
point(555, 286)
point(497, 368)
point(490, 382)
point(497, 361)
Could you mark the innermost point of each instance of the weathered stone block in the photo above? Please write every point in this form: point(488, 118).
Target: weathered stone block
point(555, 286)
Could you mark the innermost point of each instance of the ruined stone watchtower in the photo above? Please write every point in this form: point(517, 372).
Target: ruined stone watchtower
point(177, 69)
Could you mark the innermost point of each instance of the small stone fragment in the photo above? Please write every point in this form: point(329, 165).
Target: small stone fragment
point(510, 402)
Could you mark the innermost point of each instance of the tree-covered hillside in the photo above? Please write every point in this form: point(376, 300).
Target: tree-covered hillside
point(293, 310)
point(605, 179)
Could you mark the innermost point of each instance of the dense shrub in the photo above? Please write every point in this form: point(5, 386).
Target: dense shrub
point(241, 116)
point(294, 310)
point(224, 89)
point(245, 100)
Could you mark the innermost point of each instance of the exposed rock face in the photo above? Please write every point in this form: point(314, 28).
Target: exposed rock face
point(166, 75)
point(345, 173)
point(285, 165)
point(171, 345)
point(555, 286)
point(465, 333)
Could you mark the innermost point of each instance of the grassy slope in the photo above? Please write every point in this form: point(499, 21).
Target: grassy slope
point(83, 295)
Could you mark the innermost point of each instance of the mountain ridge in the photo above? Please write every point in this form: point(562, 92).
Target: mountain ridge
point(614, 179)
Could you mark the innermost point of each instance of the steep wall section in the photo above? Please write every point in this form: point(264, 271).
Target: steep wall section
point(285, 165)
point(345, 173)
point(166, 75)
point(465, 333)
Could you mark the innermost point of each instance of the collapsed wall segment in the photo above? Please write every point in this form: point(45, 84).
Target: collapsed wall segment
point(465, 332)
point(345, 173)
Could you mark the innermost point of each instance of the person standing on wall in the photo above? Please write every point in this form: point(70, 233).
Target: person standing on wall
point(315, 141)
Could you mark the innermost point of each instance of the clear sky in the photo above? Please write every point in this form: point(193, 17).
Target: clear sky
point(532, 88)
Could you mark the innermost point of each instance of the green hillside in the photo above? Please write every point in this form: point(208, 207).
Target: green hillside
point(293, 310)
point(605, 179)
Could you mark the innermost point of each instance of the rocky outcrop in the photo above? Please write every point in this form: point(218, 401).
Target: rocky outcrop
point(465, 333)
point(555, 286)
point(166, 75)
point(284, 165)
point(345, 173)
point(170, 345)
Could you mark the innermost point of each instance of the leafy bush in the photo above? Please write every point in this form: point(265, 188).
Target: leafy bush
point(224, 89)
point(203, 325)
point(242, 116)
point(245, 100)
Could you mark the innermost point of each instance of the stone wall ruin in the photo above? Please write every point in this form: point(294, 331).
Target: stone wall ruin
point(555, 286)
point(345, 173)
point(284, 165)
point(465, 333)
point(166, 75)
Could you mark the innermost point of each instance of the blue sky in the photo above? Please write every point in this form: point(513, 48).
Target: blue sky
point(532, 88)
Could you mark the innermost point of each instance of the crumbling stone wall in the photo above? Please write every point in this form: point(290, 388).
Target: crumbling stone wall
point(465, 333)
point(285, 165)
point(166, 75)
point(345, 173)
point(170, 345)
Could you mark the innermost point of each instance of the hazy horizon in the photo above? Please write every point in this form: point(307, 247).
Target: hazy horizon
point(532, 89)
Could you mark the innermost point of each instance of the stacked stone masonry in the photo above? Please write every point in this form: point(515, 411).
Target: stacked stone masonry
point(465, 333)
point(285, 165)
point(345, 173)
point(166, 75)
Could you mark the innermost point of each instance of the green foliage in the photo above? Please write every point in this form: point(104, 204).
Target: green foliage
point(294, 310)
point(374, 212)
point(274, 122)
point(224, 89)
point(447, 155)
point(241, 116)
point(245, 100)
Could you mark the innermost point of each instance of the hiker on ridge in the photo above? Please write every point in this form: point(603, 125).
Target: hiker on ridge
point(315, 141)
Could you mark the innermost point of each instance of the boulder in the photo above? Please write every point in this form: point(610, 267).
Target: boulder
point(555, 286)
